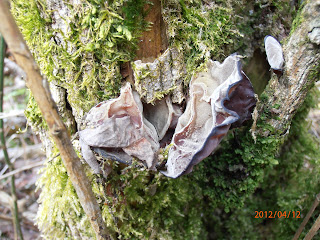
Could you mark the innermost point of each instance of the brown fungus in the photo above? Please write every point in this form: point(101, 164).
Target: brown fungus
point(122, 128)
point(163, 115)
point(119, 127)
point(218, 98)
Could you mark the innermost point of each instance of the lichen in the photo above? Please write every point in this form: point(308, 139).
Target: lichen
point(164, 76)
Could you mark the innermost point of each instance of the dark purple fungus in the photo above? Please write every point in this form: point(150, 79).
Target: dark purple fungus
point(274, 54)
point(119, 128)
point(241, 100)
point(114, 154)
point(207, 117)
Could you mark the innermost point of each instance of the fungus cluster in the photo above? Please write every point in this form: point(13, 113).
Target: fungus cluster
point(220, 98)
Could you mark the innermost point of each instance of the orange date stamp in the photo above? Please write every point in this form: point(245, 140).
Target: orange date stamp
point(277, 214)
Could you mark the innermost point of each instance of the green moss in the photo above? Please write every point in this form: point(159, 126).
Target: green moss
point(141, 204)
point(256, 19)
point(135, 204)
point(60, 209)
point(34, 115)
point(298, 18)
point(199, 31)
point(161, 94)
point(87, 60)
point(233, 173)
point(290, 185)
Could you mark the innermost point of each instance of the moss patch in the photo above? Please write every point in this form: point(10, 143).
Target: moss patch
point(86, 58)
point(135, 204)
point(289, 185)
point(200, 31)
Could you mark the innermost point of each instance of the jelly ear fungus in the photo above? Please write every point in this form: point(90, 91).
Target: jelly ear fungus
point(122, 128)
point(221, 97)
point(274, 54)
point(118, 127)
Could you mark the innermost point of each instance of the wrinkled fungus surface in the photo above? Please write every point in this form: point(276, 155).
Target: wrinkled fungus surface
point(218, 98)
point(119, 126)
point(119, 129)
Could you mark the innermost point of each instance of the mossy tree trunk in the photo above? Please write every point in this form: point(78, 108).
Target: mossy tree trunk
point(87, 50)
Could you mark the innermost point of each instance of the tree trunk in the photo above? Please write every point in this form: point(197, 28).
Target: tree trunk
point(88, 50)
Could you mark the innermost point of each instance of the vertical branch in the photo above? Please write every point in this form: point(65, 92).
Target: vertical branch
point(306, 219)
point(313, 229)
point(15, 212)
point(58, 131)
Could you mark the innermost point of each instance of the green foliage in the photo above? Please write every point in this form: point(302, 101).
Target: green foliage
point(289, 186)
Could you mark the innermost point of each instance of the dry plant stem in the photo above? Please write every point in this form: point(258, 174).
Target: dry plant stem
point(58, 131)
point(306, 219)
point(313, 230)
point(28, 224)
point(36, 164)
point(12, 114)
point(15, 212)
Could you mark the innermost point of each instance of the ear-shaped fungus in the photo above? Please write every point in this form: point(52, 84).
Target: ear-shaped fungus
point(119, 127)
point(274, 53)
point(218, 98)
point(163, 115)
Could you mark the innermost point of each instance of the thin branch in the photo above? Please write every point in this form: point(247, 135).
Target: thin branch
point(15, 212)
point(306, 219)
point(313, 229)
point(25, 221)
point(13, 113)
point(41, 92)
point(36, 164)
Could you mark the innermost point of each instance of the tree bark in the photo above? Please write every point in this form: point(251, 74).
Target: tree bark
point(93, 74)
point(40, 89)
point(287, 92)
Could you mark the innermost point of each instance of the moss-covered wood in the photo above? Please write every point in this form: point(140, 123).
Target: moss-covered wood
point(82, 48)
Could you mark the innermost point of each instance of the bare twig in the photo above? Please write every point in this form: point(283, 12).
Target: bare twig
point(41, 92)
point(29, 224)
point(15, 212)
point(306, 219)
point(13, 113)
point(313, 229)
point(36, 164)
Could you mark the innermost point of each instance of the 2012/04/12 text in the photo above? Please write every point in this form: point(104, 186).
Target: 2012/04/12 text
point(277, 214)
